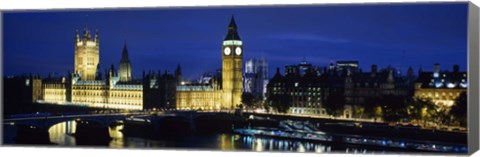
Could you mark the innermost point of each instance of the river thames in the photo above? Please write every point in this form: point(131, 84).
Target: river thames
point(63, 135)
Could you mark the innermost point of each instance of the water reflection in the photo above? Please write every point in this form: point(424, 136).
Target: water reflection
point(62, 133)
point(270, 144)
point(117, 136)
point(226, 142)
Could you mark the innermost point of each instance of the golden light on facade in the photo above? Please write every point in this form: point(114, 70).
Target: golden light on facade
point(212, 97)
point(86, 55)
point(444, 97)
point(84, 89)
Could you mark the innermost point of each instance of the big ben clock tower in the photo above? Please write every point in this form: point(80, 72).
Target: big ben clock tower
point(232, 56)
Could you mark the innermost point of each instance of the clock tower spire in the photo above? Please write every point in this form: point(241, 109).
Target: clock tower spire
point(232, 31)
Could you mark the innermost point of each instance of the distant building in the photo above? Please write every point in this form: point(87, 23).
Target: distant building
point(347, 66)
point(249, 76)
point(441, 87)
point(310, 86)
point(299, 69)
point(22, 89)
point(207, 77)
point(255, 78)
point(306, 92)
point(362, 86)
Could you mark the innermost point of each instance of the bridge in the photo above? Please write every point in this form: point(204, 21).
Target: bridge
point(31, 130)
point(35, 129)
point(178, 121)
point(45, 122)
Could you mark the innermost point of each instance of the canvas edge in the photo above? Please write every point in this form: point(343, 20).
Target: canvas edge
point(472, 52)
point(473, 77)
point(1, 79)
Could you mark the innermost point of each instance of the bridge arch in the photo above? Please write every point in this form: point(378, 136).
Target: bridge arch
point(46, 123)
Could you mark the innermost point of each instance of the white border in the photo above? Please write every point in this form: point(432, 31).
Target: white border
point(16, 5)
point(88, 4)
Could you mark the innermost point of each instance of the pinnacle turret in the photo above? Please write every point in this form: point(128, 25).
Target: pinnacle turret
point(125, 53)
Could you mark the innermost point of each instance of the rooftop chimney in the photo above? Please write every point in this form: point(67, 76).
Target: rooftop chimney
point(456, 68)
point(374, 69)
point(436, 68)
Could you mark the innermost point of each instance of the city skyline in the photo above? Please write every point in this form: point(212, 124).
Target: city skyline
point(339, 89)
point(159, 39)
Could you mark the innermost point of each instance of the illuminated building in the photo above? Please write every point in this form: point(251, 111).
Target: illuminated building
point(196, 96)
point(119, 91)
point(441, 87)
point(307, 85)
point(54, 90)
point(108, 93)
point(211, 96)
point(37, 93)
point(86, 88)
point(87, 55)
point(256, 77)
point(232, 57)
point(125, 68)
point(347, 66)
point(303, 85)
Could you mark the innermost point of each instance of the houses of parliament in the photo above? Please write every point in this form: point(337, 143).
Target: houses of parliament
point(115, 89)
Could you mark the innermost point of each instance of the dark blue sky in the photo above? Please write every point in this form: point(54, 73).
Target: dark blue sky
point(160, 38)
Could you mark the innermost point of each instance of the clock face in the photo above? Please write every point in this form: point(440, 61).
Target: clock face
point(238, 51)
point(227, 51)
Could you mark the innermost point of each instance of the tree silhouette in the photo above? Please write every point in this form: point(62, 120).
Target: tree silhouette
point(421, 110)
point(334, 104)
point(248, 100)
point(459, 109)
point(280, 102)
point(371, 107)
point(394, 108)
